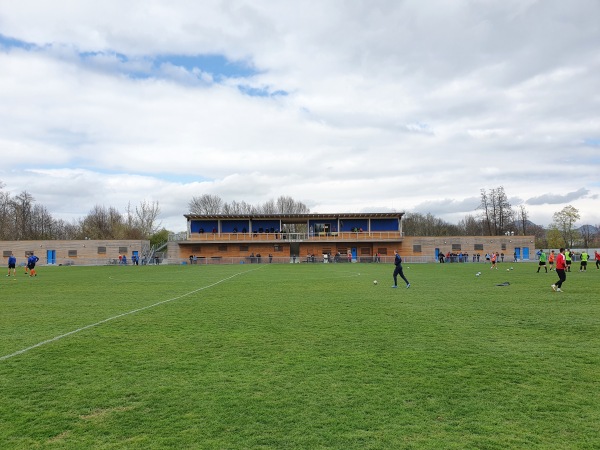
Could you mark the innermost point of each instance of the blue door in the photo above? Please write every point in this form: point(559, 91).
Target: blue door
point(525, 252)
point(518, 252)
point(51, 257)
point(354, 253)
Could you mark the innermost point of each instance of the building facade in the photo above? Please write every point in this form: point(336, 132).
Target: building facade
point(78, 252)
point(364, 237)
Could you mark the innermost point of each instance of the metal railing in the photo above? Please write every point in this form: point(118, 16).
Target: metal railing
point(290, 237)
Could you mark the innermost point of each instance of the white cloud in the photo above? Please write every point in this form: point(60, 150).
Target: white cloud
point(395, 105)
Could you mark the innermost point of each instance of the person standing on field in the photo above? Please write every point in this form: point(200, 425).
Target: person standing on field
point(584, 260)
point(542, 262)
point(31, 262)
point(398, 271)
point(551, 258)
point(597, 257)
point(568, 258)
point(12, 264)
point(493, 258)
point(561, 267)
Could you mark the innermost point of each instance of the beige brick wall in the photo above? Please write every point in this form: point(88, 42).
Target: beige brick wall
point(415, 247)
point(80, 252)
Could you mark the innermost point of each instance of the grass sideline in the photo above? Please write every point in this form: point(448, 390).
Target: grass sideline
point(299, 356)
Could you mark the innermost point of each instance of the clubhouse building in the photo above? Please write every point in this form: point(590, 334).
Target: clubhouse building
point(276, 238)
point(348, 237)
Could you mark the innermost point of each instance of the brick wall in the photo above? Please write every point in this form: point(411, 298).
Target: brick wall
point(79, 252)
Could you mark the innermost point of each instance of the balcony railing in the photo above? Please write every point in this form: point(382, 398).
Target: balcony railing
point(290, 237)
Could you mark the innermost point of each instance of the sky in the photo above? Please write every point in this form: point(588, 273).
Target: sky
point(345, 106)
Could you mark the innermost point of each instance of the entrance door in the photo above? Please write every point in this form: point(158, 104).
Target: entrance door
point(354, 253)
point(51, 257)
point(437, 254)
point(295, 252)
point(518, 252)
point(525, 252)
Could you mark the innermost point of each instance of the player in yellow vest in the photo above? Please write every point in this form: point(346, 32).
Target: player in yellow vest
point(584, 260)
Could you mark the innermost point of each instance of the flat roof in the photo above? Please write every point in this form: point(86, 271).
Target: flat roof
point(382, 215)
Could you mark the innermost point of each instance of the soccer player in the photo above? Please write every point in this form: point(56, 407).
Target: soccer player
point(398, 271)
point(561, 266)
point(568, 258)
point(12, 264)
point(31, 261)
point(542, 262)
point(551, 260)
point(584, 259)
point(597, 257)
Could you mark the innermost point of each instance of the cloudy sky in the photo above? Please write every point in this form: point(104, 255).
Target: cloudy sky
point(378, 105)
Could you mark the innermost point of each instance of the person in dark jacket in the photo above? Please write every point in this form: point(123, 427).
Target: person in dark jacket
point(398, 270)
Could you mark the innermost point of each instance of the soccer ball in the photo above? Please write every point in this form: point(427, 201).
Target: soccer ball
point(477, 274)
point(374, 281)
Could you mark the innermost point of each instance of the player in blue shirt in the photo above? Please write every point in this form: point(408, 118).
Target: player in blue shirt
point(12, 264)
point(31, 261)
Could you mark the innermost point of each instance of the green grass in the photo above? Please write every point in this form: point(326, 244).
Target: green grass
point(299, 356)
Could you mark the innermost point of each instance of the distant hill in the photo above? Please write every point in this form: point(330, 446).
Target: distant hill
point(589, 229)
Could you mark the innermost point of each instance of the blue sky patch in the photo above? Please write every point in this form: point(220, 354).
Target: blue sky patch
point(9, 42)
point(260, 92)
point(217, 65)
point(592, 142)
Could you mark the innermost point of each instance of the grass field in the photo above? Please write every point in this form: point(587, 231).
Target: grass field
point(299, 356)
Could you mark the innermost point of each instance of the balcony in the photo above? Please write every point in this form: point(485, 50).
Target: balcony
point(290, 237)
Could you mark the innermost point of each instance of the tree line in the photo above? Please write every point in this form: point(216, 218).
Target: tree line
point(213, 204)
point(496, 217)
point(21, 218)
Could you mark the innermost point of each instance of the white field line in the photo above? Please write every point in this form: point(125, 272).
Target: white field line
point(54, 339)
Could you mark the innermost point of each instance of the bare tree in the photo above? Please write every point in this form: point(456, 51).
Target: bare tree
point(146, 214)
point(238, 208)
point(487, 213)
point(523, 219)
point(103, 223)
point(269, 207)
point(497, 213)
point(206, 204)
point(6, 220)
point(470, 226)
point(416, 224)
point(287, 205)
point(586, 232)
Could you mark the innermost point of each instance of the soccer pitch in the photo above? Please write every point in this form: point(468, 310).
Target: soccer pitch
point(299, 356)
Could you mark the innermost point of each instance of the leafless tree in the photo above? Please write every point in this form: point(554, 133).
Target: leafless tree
point(238, 208)
point(497, 213)
point(586, 233)
point(287, 205)
point(103, 223)
point(206, 204)
point(470, 226)
point(416, 224)
point(142, 223)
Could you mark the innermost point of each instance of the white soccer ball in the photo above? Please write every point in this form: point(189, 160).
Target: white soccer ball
point(477, 274)
point(374, 281)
